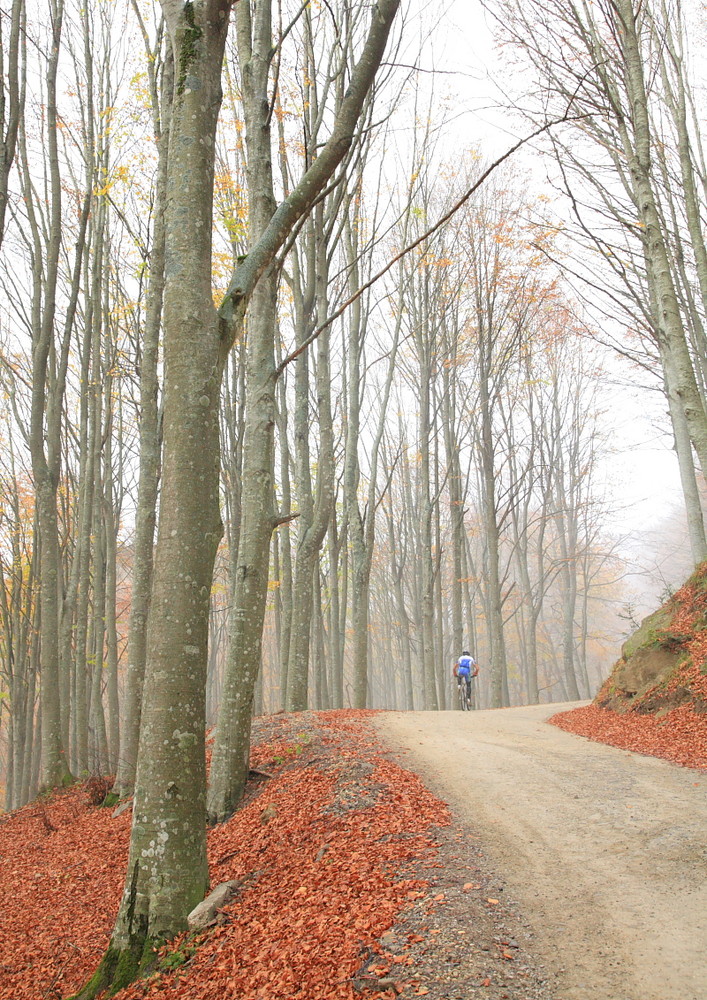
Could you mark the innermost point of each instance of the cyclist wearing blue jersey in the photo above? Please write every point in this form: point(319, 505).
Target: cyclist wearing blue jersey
point(465, 668)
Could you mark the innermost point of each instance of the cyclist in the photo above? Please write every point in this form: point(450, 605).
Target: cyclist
point(465, 668)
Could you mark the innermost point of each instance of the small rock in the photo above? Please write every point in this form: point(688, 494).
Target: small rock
point(121, 807)
point(204, 914)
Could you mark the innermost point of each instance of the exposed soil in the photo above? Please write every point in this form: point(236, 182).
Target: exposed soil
point(663, 665)
point(602, 851)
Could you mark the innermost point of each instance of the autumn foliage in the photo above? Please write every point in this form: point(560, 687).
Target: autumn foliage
point(324, 851)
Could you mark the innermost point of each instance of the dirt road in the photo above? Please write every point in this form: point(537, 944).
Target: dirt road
point(603, 852)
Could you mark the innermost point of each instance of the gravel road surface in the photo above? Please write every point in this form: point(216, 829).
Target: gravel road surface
point(603, 852)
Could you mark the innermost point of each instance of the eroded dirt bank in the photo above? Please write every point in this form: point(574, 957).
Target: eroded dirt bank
point(603, 851)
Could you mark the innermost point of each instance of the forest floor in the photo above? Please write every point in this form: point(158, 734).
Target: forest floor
point(359, 882)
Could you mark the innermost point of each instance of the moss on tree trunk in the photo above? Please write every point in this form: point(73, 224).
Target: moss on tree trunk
point(119, 968)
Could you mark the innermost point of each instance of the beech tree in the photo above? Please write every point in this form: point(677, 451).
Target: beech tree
point(49, 368)
point(270, 227)
point(167, 873)
point(160, 69)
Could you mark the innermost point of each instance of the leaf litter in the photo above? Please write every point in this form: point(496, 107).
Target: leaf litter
point(679, 735)
point(322, 878)
point(354, 880)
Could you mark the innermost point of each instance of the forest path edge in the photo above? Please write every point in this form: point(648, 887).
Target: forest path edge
point(601, 849)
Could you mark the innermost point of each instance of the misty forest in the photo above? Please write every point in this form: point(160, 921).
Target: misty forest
point(328, 350)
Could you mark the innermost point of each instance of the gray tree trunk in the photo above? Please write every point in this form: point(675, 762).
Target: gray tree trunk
point(167, 871)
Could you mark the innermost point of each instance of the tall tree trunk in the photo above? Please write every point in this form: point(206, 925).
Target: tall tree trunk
point(167, 872)
point(671, 334)
point(314, 513)
point(45, 462)
point(497, 650)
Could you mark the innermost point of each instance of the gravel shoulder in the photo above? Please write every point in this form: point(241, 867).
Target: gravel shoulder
point(602, 852)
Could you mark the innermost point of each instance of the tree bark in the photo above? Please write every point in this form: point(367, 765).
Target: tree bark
point(150, 447)
point(167, 871)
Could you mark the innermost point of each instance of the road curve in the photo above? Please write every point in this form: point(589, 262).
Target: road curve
point(602, 851)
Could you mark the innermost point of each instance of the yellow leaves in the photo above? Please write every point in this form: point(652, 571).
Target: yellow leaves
point(119, 175)
point(225, 183)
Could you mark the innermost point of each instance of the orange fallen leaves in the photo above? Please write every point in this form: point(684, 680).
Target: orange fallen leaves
point(679, 736)
point(294, 933)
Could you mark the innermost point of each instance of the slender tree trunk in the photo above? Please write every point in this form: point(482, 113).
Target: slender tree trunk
point(497, 655)
point(44, 462)
point(336, 653)
point(314, 514)
point(671, 334)
point(150, 449)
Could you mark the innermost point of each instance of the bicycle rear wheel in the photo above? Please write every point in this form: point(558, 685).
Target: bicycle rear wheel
point(463, 698)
